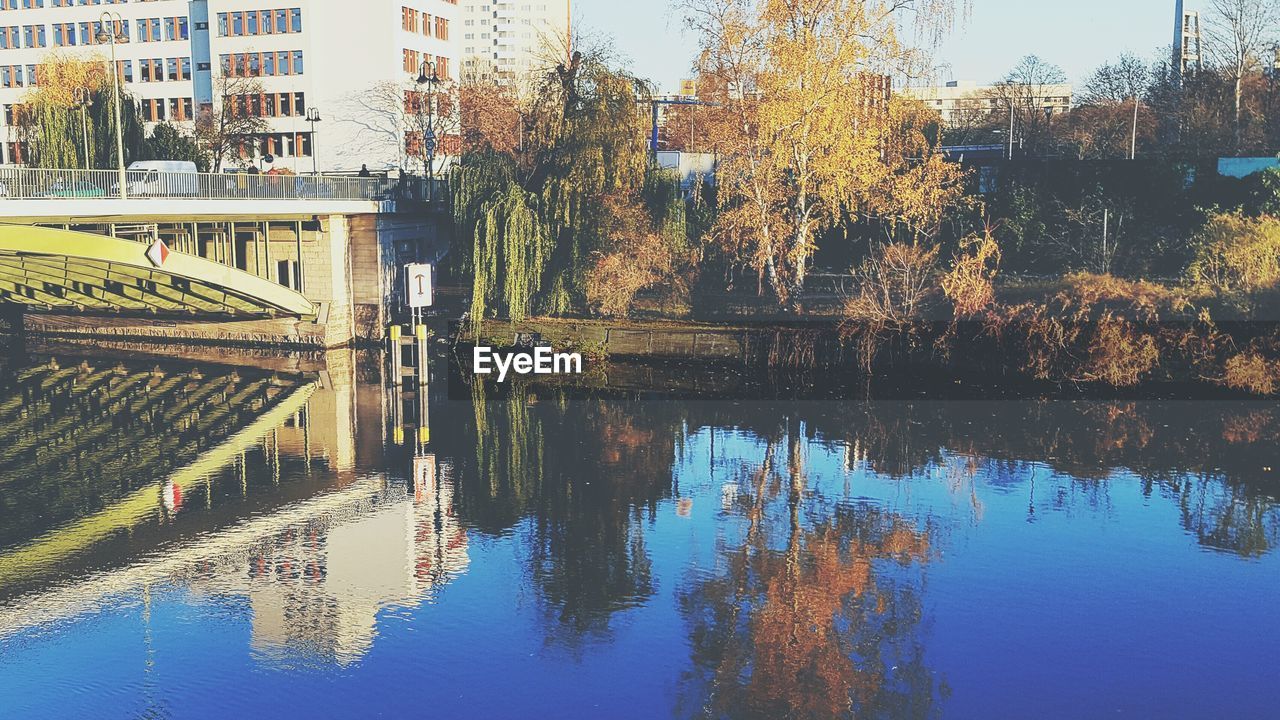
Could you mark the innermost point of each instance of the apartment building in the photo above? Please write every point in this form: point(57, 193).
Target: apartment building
point(512, 40)
point(181, 56)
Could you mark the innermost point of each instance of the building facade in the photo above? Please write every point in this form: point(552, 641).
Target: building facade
point(276, 59)
point(958, 101)
point(515, 39)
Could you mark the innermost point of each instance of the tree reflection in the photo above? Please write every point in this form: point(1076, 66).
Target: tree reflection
point(577, 478)
point(816, 611)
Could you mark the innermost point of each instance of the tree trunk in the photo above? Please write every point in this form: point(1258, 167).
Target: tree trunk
point(1239, 91)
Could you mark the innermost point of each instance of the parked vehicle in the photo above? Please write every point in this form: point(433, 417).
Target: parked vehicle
point(163, 178)
point(74, 189)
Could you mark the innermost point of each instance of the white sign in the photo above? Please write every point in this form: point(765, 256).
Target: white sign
point(158, 253)
point(419, 285)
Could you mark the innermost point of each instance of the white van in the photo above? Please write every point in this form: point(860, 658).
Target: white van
point(163, 178)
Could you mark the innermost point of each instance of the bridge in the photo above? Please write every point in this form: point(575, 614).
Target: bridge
point(276, 260)
point(62, 269)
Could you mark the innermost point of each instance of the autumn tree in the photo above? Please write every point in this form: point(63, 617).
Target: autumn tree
point(803, 621)
point(490, 115)
point(547, 219)
point(802, 121)
point(73, 106)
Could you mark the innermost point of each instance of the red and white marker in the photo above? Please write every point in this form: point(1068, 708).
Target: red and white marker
point(158, 253)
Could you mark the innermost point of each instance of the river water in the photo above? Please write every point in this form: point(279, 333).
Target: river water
point(195, 540)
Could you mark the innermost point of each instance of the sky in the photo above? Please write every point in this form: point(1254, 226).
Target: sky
point(1077, 35)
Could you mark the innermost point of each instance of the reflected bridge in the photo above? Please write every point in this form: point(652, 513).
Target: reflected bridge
point(52, 268)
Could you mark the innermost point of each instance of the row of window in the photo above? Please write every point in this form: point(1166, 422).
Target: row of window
point(277, 144)
point(86, 33)
point(34, 4)
point(160, 70)
point(16, 76)
point(158, 109)
point(415, 103)
point(260, 22)
point(161, 29)
point(411, 20)
point(413, 64)
point(271, 105)
point(14, 37)
point(262, 64)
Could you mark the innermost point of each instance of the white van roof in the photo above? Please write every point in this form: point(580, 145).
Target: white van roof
point(169, 165)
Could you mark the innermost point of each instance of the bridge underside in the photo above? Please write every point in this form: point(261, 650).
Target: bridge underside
point(65, 270)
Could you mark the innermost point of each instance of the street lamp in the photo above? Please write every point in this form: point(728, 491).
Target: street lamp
point(429, 136)
point(83, 100)
point(110, 33)
point(313, 117)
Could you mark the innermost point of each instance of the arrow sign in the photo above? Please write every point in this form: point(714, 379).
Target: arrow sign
point(158, 253)
point(420, 285)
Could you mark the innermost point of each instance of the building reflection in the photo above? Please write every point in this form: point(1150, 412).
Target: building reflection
point(317, 588)
point(260, 492)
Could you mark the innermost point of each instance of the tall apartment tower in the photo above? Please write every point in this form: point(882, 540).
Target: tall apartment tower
point(511, 40)
point(1186, 41)
point(180, 56)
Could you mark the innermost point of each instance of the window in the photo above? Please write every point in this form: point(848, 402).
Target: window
point(410, 62)
point(442, 28)
point(409, 19)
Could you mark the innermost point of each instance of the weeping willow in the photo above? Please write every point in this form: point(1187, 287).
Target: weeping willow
point(510, 255)
point(534, 217)
point(58, 129)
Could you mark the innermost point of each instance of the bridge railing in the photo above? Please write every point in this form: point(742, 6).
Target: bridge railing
point(52, 184)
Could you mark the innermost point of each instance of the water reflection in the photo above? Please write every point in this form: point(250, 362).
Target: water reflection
point(814, 612)
point(232, 483)
point(729, 560)
point(587, 473)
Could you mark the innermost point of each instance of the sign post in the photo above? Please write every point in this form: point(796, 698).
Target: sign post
point(419, 286)
point(419, 294)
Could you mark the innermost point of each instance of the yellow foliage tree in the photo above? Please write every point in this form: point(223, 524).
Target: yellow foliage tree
point(805, 128)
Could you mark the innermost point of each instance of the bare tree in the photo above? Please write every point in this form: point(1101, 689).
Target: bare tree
point(1239, 32)
point(235, 119)
point(1024, 94)
point(1115, 91)
point(394, 121)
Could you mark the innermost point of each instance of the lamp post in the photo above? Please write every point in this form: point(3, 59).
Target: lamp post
point(429, 135)
point(109, 32)
point(82, 100)
point(1133, 138)
point(313, 117)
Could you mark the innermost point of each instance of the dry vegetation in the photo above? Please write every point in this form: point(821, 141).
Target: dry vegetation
point(1086, 328)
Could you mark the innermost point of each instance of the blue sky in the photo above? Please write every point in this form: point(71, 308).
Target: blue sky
point(1075, 34)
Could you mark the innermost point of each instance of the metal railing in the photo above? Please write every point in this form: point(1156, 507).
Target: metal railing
point(45, 184)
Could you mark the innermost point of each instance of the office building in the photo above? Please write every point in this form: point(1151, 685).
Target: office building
point(346, 61)
point(959, 101)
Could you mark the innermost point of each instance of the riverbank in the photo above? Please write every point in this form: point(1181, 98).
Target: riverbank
point(1090, 332)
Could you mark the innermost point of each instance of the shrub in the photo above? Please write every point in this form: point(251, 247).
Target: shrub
point(970, 284)
point(895, 286)
point(895, 289)
point(1237, 254)
point(1252, 372)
